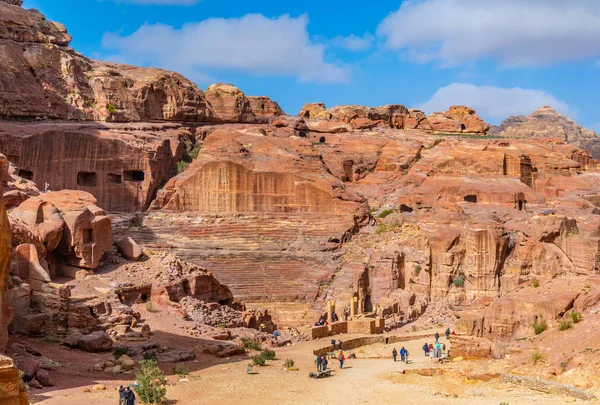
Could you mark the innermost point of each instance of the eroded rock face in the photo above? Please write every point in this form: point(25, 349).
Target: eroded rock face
point(264, 107)
point(6, 312)
point(82, 157)
point(88, 232)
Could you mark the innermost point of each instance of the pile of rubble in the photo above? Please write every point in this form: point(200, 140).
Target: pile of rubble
point(211, 313)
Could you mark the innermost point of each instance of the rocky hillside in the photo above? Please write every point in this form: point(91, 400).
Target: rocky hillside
point(385, 204)
point(545, 122)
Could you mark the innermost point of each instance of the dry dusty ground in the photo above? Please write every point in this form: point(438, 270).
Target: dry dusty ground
point(363, 381)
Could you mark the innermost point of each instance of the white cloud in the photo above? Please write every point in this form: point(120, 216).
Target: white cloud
point(513, 32)
point(493, 103)
point(251, 44)
point(354, 43)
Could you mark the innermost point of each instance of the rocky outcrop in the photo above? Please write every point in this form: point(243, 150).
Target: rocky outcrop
point(264, 107)
point(229, 103)
point(12, 388)
point(458, 119)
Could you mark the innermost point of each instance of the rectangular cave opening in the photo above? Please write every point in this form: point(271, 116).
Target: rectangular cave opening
point(88, 236)
point(133, 175)
point(88, 179)
point(115, 178)
point(472, 198)
point(26, 174)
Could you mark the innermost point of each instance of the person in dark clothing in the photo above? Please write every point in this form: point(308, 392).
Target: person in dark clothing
point(319, 363)
point(122, 394)
point(448, 333)
point(403, 354)
point(394, 354)
point(129, 396)
point(334, 317)
point(324, 363)
point(437, 337)
point(340, 345)
point(341, 358)
point(426, 349)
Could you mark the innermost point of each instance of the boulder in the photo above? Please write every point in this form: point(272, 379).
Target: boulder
point(94, 342)
point(128, 248)
point(29, 366)
point(43, 219)
point(33, 383)
point(43, 377)
point(171, 355)
point(126, 362)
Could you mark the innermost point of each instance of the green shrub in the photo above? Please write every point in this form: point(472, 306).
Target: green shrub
point(575, 316)
point(289, 363)
point(194, 152)
point(535, 283)
point(259, 360)
point(537, 357)
point(120, 351)
point(111, 108)
point(181, 166)
point(268, 354)
point(149, 306)
point(384, 228)
point(385, 213)
point(564, 324)
point(459, 281)
point(152, 384)
point(539, 326)
point(181, 369)
point(52, 339)
point(417, 270)
point(251, 344)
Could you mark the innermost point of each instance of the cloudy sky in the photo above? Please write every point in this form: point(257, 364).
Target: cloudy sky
point(501, 57)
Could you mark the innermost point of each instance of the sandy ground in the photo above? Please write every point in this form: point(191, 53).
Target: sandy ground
point(362, 381)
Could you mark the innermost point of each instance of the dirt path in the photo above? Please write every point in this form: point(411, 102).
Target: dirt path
point(362, 381)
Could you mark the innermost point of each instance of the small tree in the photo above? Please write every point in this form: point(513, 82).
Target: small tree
point(152, 384)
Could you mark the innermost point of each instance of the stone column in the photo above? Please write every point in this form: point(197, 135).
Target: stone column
point(330, 310)
point(353, 307)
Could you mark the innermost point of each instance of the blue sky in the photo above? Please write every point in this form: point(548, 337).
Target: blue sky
point(500, 57)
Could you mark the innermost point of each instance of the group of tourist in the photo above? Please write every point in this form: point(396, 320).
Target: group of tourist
point(437, 349)
point(322, 361)
point(334, 317)
point(126, 396)
point(403, 354)
point(337, 345)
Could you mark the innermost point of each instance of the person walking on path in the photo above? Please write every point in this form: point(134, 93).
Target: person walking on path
point(426, 349)
point(324, 363)
point(438, 350)
point(437, 337)
point(129, 396)
point(341, 358)
point(394, 354)
point(447, 333)
point(319, 363)
point(402, 354)
point(122, 396)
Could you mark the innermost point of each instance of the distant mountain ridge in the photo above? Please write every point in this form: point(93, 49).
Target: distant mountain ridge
point(546, 122)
